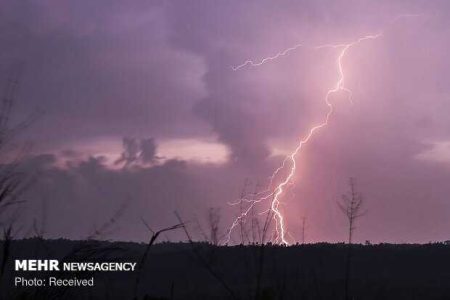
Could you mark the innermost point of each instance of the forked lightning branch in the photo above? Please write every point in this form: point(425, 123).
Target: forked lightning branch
point(275, 193)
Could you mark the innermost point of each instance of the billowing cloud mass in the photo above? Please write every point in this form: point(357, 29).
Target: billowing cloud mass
point(142, 113)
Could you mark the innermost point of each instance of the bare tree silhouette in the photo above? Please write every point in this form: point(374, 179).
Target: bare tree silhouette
point(153, 238)
point(12, 181)
point(212, 234)
point(303, 229)
point(214, 223)
point(204, 262)
point(351, 206)
point(242, 221)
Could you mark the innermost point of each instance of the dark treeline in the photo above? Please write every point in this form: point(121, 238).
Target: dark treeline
point(178, 271)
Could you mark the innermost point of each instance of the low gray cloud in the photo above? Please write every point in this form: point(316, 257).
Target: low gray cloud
point(84, 195)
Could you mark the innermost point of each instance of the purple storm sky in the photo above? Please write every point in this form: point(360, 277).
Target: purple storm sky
point(142, 113)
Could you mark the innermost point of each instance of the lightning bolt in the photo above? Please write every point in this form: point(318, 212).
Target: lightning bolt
point(276, 192)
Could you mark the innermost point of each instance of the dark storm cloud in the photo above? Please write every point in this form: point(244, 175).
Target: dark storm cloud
point(100, 68)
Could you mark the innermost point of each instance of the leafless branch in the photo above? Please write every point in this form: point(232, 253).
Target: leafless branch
point(152, 240)
point(204, 262)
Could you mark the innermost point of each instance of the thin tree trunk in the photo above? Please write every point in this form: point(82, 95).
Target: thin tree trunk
point(348, 267)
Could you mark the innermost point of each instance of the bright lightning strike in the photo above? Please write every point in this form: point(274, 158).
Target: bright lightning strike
point(280, 226)
point(275, 193)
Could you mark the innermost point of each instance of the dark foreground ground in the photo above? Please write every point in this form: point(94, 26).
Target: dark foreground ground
point(201, 271)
